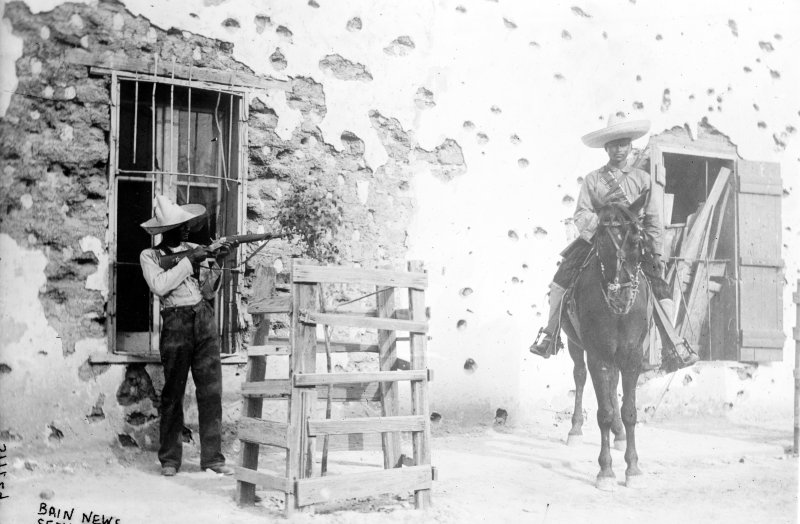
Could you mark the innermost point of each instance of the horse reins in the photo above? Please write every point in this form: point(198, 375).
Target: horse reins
point(615, 290)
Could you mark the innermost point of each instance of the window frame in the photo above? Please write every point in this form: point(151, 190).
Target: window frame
point(238, 160)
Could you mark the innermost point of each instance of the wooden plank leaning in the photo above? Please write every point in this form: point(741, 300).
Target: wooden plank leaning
point(419, 389)
point(256, 370)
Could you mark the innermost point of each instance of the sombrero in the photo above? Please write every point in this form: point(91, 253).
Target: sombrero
point(616, 128)
point(170, 215)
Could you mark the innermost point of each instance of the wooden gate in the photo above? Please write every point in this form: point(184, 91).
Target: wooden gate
point(304, 484)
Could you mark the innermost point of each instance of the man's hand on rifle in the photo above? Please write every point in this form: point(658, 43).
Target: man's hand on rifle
point(198, 254)
point(223, 251)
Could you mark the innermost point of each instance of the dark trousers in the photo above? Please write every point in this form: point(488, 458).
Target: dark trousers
point(189, 341)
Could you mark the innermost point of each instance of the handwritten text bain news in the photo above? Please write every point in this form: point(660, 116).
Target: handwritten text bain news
point(54, 515)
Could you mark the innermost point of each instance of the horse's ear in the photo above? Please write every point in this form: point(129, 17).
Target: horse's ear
point(639, 203)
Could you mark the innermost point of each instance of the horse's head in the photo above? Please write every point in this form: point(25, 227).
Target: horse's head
point(619, 245)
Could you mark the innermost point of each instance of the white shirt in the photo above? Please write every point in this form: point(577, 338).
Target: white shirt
point(178, 286)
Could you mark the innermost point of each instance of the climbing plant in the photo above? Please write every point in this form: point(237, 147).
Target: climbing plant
point(312, 214)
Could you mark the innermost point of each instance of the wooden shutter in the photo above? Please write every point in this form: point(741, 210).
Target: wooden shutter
point(760, 264)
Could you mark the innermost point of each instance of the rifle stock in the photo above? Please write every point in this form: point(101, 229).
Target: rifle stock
point(171, 260)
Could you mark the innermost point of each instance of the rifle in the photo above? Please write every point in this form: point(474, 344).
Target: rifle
point(170, 261)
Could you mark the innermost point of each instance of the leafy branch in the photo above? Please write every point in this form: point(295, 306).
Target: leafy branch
point(312, 214)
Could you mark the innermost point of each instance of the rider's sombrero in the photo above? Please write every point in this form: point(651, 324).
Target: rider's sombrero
point(616, 128)
point(169, 215)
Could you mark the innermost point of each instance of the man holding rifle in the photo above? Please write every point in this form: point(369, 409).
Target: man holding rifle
point(189, 338)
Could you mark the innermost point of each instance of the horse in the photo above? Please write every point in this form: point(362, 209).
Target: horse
point(609, 323)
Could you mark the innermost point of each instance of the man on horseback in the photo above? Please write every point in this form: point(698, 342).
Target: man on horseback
point(617, 181)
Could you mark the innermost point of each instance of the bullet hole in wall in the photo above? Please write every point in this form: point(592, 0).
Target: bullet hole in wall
point(465, 292)
point(470, 366)
point(354, 24)
point(513, 235)
point(461, 325)
point(55, 433)
point(126, 441)
point(580, 12)
point(500, 417)
point(435, 417)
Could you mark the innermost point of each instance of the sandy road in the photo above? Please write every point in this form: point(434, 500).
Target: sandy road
point(697, 471)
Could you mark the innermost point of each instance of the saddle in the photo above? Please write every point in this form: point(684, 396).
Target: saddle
point(676, 352)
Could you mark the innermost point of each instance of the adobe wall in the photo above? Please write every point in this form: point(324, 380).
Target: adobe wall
point(451, 130)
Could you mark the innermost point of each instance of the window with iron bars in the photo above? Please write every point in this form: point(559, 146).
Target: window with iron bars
point(184, 140)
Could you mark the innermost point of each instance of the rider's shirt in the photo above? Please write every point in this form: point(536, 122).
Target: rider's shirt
point(631, 182)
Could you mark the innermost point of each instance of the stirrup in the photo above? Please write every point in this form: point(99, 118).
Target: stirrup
point(543, 345)
point(677, 361)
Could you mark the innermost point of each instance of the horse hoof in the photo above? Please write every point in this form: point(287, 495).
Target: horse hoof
point(606, 483)
point(634, 481)
point(574, 440)
point(620, 445)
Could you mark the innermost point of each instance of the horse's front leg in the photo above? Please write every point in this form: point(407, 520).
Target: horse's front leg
point(579, 374)
point(616, 426)
point(633, 474)
point(602, 377)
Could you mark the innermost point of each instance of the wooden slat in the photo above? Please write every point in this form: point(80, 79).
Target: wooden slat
point(366, 425)
point(761, 189)
point(761, 262)
point(337, 347)
point(270, 388)
point(265, 480)
point(419, 390)
point(390, 395)
point(274, 305)
point(103, 357)
point(399, 480)
point(334, 319)
point(320, 379)
point(264, 285)
point(359, 276)
point(351, 392)
point(259, 431)
point(118, 62)
point(761, 355)
point(763, 338)
point(303, 359)
point(267, 350)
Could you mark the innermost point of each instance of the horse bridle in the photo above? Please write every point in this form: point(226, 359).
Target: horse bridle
point(617, 299)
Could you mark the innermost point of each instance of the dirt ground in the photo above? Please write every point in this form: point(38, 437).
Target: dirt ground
point(700, 470)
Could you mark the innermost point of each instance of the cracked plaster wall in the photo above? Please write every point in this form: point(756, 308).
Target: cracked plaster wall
point(513, 85)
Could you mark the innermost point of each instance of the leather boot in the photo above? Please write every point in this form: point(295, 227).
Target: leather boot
point(546, 346)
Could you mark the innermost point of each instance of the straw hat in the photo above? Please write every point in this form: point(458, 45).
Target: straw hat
point(170, 215)
point(617, 127)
